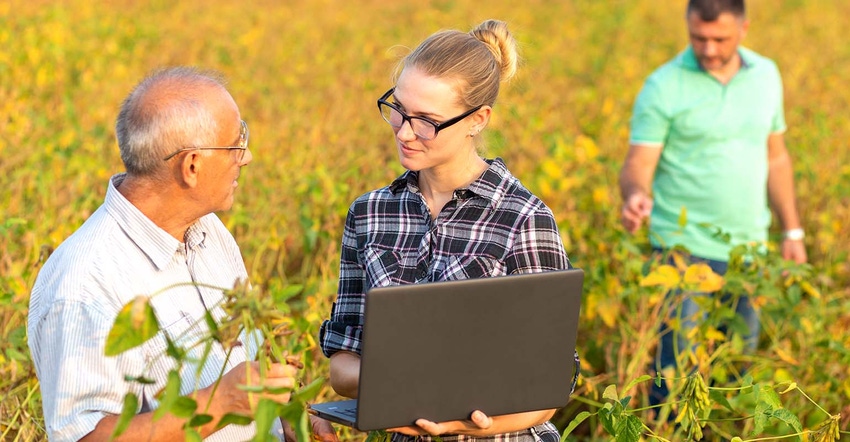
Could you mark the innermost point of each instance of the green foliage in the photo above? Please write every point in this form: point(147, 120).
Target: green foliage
point(246, 309)
point(135, 324)
point(131, 404)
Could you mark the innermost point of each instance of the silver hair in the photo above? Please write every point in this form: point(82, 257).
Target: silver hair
point(165, 112)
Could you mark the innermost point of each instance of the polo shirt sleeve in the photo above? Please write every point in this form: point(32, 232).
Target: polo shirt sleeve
point(79, 384)
point(650, 122)
point(778, 124)
point(344, 328)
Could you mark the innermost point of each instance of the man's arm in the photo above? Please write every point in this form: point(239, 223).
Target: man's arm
point(224, 398)
point(780, 192)
point(636, 184)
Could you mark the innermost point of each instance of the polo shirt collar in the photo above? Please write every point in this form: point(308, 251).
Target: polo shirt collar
point(153, 241)
point(491, 185)
point(688, 59)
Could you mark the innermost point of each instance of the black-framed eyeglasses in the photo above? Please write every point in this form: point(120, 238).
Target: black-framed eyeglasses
point(241, 145)
point(421, 126)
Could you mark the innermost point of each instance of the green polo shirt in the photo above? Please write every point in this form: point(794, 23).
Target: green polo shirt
point(714, 157)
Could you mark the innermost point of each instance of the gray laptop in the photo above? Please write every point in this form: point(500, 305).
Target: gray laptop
point(441, 350)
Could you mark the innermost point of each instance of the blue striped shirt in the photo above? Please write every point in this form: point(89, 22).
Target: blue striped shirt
point(116, 255)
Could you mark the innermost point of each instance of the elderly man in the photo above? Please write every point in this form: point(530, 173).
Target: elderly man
point(183, 143)
point(707, 136)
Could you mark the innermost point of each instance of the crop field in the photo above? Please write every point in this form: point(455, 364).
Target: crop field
point(306, 75)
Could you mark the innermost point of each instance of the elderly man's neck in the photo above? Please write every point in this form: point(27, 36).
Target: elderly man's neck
point(162, 201)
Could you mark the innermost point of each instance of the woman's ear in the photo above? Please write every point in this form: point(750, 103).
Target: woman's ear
point(480, 119)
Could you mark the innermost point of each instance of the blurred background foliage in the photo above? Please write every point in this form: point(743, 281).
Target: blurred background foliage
point(306, 75)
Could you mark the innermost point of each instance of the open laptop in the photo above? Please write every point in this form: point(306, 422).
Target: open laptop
point(441, 350)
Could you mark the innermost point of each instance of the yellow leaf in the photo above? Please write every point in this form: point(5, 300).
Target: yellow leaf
point(665, 276)
point(679, 261)
point(786, 356)
point(701, 278)
point(552, 169)
point(611, 393)
point(715, 335)
point(609, 315)
point(807, 325)
point(810, 290)
point(791, 386)
point(683, 217)
point(601, 196)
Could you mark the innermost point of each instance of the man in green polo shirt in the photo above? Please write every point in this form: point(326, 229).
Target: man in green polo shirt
point(707, 137)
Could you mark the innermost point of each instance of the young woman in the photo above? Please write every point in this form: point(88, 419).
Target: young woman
point(451, 215)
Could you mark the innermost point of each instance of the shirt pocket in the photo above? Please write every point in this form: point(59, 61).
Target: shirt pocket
point(182, 329)
point(460, 267)
point(381, 266)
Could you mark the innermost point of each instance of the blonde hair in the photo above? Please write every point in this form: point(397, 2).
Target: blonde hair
point(478, 61)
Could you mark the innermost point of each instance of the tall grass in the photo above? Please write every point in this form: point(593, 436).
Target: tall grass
point(306, 76)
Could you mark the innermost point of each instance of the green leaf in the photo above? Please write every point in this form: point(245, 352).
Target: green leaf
point(581, 417)
point(628, 429)
point(308, 393)
point(199, 420)
point(378, 436)
point(140, 379)
point(768, 396)
point(235, 419)
point(184, 407)
point(192, 435)
point(131, 405)
point(134, 325)
point(173, 350)
point(719, 398)
point(643, 378)
point(303, 428)
point(168, 396)
point(267, 412)
point(15, 355)
point(607, 417)
point(292, 411)
point(761, 417)
point(789, 419)
point(287, 292)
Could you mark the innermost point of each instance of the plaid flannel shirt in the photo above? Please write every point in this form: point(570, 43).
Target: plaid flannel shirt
point(492, 228)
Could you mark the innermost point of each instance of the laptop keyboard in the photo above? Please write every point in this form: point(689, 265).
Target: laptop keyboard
point(352, 412)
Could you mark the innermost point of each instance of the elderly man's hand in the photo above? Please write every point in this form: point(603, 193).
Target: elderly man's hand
point(323, 431)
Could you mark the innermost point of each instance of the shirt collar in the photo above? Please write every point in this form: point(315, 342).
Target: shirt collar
point(491, 185)
point(154, 242)
point(688, 59)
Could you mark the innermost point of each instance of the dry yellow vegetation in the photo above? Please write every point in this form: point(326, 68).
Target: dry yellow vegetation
point(306, 75)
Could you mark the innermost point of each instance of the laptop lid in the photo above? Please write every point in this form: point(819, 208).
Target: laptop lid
point(441, 350)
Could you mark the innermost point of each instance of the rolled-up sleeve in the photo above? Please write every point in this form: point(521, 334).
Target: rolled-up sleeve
point(344, 328)
point(538, 246)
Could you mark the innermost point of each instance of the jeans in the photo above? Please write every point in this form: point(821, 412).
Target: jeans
point(673, 343)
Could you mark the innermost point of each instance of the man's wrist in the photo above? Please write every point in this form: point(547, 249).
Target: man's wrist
point(794, 234)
